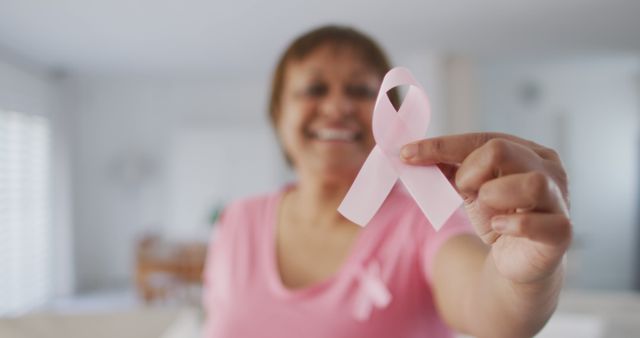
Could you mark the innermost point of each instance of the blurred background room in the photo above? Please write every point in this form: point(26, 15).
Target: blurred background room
point(125, 127)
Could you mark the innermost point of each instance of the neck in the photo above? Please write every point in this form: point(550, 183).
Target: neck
point(316, 202)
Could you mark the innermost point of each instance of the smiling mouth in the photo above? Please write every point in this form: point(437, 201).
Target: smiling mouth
point(332, 134)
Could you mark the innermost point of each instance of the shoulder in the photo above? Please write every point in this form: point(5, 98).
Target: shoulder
point(245, 206)
point(244, 221)
point(251, 208)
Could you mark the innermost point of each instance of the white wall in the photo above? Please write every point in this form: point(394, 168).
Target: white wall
point(209, 167)
point(127, 132)
point(28, 89)
point(429, 69)
point(588, 109)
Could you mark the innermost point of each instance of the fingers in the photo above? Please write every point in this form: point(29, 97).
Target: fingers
point(447, 149)
point(520, 182)
point(496, 158)
point(554, 229)
point(531, 191)
point(454, 149)
point(530, 205)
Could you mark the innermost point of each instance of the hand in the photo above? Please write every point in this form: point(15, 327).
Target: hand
point(515, 193)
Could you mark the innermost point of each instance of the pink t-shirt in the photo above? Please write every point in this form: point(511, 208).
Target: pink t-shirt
point(381, 290)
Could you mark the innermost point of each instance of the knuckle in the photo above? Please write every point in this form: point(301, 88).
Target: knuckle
point(436, 146)
point(498, 150)
point(463, 181)
point(550, 153)
point(536, 185)
point(481, 139)
point(560, 177)
point(566, 227)
point(488, 236)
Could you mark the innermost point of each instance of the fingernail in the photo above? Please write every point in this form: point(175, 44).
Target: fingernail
point(409, 151)
point(499, 223)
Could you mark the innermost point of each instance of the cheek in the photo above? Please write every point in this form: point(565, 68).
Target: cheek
point(296, 116)
point(365, 110)
point(291, 129)
point(365, 119)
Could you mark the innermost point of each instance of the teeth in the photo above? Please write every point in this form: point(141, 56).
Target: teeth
point(335, 135)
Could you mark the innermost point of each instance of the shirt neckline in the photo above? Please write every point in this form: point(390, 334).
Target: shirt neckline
point(275, 280)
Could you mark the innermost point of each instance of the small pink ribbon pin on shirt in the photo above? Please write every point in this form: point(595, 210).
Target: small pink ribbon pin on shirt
point(391, 130)
point(372, 292)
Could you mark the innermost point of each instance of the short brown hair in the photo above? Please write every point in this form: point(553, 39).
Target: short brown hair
point(302, 46)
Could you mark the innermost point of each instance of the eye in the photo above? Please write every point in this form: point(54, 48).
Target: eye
point(360, 91)
point(316, 89)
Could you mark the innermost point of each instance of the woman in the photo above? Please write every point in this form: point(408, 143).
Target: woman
point(287, 264)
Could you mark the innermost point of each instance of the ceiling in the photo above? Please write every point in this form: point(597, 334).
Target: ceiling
point(200, 36)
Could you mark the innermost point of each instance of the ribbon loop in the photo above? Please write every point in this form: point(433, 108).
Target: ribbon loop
point(391, 130)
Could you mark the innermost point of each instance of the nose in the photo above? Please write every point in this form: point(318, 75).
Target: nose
point(337, 105)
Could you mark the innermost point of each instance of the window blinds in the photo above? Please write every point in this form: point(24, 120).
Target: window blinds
point(25, 207)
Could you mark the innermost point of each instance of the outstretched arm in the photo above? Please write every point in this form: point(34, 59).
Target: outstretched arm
point(504, 282)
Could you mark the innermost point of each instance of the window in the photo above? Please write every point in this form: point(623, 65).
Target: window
point(25, 222)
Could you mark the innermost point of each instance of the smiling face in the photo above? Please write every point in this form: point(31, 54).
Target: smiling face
point(324, 119)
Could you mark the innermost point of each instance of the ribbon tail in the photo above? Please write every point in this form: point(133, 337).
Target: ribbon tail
point(362, 308)
point(432, 192)
point(370, 188)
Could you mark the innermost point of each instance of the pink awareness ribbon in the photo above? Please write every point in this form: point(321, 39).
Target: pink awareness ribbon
point(391, 130)
point(372, 292)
